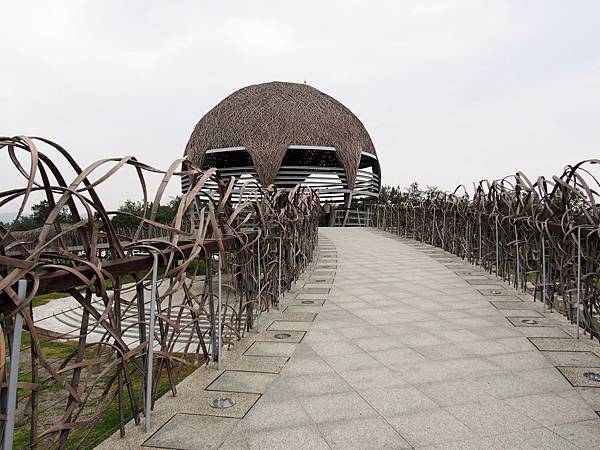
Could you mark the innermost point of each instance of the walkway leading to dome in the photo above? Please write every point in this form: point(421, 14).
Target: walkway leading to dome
point(390, 343)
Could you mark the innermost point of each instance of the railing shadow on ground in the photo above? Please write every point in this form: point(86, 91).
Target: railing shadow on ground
point(195, 286)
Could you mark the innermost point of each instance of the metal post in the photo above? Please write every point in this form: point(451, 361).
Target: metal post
point(544, 271)
point(497, 250)
point(220, 315)
point(150, 350)
point(259, 287)
point(578, 277)
point(211, 307)
point(518, 275)
point(13, 378)
point(444, 232)
point(466, 240)
point(279, 277)
point(455, 239)
point(432, 226)
point(480, 242)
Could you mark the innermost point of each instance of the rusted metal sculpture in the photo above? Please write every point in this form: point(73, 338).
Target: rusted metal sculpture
point(542, 235)
point(256, 247)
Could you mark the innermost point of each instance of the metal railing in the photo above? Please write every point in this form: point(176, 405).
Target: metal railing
point(209, 280)
point(542, 236)
point(352, 217)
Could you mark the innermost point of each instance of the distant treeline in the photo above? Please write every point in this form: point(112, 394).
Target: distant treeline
point(396, 194)
point(130, 210)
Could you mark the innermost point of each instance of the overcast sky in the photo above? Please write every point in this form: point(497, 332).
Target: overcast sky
point(450, 91)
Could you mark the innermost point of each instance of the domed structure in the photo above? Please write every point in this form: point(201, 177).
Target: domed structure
point(287, 134)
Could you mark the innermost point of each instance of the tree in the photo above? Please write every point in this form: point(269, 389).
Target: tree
point(39, 214)
point(413, 193)
point(132, 211)
point(165, 213)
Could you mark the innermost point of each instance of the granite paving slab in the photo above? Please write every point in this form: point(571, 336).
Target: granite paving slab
point(402, 348)
point(287, 325)
point(182, 430)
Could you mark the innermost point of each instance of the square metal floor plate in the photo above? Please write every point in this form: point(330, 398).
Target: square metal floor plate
point(466, 272)
point(271, 364)
point(308, 302)
point(185, 431)
point(315, 290)
point(495, 291)
point(270, 336)
point(574, 359)
point(271, 349)
point(560, 344)
point(324, 273)
point(513, 305)
point(299, 316)
point(483, 281)
point(518, 321)
point(242, 381)
point(576, 377)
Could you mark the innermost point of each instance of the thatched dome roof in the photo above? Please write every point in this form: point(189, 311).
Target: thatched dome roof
point(267, 118)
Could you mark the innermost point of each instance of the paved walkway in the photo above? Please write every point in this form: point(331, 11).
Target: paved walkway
point(392, 344)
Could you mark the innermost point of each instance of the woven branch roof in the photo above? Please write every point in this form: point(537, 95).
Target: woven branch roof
point(267, 118)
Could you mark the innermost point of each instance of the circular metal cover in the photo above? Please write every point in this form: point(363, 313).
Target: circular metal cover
point(282, 335)
point(530, 321)
point(222, 403)
point(593, 376)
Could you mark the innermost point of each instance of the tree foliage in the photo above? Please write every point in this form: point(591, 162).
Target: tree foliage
point(132, 211)
point(40, 211)
point(38, 216)
point(396, 194)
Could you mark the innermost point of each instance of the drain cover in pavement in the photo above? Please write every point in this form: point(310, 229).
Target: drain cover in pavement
point(594, 376)
point(282, 336)
point(222, 403)
point(530, 321)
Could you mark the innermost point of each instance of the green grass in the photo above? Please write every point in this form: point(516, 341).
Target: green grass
point(108, 422)
point(40, 300)
point(43, 299)
point(53, 349)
